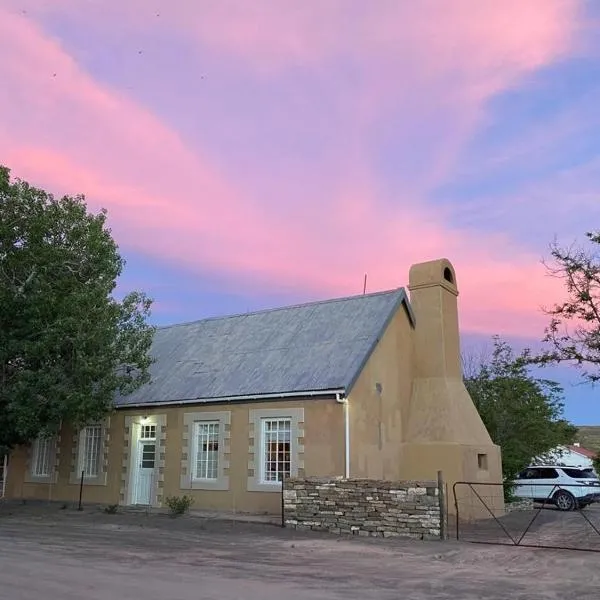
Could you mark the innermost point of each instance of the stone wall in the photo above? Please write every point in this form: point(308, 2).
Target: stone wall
point(363, 507)
point(521, 504)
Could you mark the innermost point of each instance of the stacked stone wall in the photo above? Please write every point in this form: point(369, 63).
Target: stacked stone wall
point(363, 507)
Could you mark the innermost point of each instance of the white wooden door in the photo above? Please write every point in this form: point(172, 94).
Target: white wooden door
point(144, 472)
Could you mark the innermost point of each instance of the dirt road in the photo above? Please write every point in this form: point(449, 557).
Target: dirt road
point(65, 555)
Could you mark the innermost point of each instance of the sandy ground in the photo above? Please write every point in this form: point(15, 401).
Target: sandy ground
point(66, 555)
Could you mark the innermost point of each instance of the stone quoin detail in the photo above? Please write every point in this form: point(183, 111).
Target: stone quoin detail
point(363, 507)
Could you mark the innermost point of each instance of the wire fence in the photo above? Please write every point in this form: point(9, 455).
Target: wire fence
point(543, 516)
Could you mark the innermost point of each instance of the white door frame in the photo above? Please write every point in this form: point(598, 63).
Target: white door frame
point(135, 462)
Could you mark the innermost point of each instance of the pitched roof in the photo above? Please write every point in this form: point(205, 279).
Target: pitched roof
point(583, 451)
point(311, 347)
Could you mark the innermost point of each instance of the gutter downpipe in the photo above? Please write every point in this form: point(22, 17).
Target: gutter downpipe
point(344, 401)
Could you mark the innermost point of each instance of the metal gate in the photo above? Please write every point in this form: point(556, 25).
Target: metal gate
point(483, 517)
point(3, 473)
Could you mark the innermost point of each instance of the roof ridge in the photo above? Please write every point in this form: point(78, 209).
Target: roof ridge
point(287, 307)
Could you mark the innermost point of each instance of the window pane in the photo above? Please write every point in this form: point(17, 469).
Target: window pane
point(277, 435)
point(207, 450)
point(579, 474)
point(91, 450)
point(148, 456)
point(547, 474)
point(148, 432)
point(41, 457)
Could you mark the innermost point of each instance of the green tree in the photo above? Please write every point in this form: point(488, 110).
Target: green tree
point(67, 345)
point(573, 334)
point(596, 463)
point(523, 414)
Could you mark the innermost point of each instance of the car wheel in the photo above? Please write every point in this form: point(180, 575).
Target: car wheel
point(564, 500)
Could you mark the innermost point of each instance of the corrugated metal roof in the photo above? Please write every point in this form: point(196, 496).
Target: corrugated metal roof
point(310, 347)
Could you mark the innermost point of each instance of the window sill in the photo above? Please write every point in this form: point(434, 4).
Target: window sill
point(76, 480)
point(47, 479)
point(255, 485)
point(221, 484)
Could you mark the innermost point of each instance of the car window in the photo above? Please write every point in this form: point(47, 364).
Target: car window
point(530, 474)
point(579, 474)
point(547, 474)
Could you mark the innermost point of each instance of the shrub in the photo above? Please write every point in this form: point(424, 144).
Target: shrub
point(111, 509)
point(179, 505)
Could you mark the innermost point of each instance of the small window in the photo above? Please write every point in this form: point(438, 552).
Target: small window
point(579, 473)
point(148, 432)
point(547, 474)
point(206, 464)
point(448, 276)
point(148, 455)
point(277, 437)
point(482, 462)
point(90, 457)
point(42, 453)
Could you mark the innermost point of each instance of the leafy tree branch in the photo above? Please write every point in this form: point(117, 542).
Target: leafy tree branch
point(522, 413)
point(67, 346)
point(573, 334)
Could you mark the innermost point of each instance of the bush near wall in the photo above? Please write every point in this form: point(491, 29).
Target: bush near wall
point(363, 507)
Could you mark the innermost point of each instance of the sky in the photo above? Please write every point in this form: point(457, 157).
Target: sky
point(255, 154)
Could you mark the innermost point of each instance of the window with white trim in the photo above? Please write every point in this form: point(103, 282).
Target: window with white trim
point(147, 432)
point(41, 464)
point(91, 444)
point(205, 450)
point(276, 455)
point(206, 456)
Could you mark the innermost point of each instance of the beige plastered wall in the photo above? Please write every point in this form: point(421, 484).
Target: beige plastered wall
point(410, 413)
point(379, 403)
point(322, 454)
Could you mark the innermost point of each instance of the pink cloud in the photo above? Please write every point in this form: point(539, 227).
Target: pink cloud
point(63, 130)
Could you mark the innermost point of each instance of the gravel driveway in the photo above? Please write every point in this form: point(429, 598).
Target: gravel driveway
point(65, 555)
point(543, 526)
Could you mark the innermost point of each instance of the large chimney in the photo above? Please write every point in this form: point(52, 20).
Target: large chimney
point(441, 409)
point(433, 295)
point(444, 431)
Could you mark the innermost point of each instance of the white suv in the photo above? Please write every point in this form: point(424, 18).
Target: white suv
point(567, 488)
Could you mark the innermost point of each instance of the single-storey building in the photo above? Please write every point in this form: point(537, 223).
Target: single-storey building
point(574, 455)
point(367, 386)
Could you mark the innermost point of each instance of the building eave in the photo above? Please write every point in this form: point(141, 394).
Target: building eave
point(333, 392)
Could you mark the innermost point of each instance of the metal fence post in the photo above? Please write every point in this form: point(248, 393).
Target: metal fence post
point(81, 490)
point(442, 503)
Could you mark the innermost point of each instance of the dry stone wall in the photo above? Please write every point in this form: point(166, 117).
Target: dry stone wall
point(363, 507)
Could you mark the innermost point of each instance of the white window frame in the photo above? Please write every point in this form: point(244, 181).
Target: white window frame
point(196, 448)
point(256, 464)
point(188, 479)
point(32, 476)
point(79, 462)
point(44, 444)
point(263, 469)
point(84, 460)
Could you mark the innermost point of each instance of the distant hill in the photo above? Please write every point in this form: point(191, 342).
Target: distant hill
point(589, 437)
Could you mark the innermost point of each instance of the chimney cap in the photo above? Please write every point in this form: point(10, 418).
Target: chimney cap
point(433, 273)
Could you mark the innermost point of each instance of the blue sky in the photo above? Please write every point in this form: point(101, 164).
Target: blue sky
point(252, 154)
